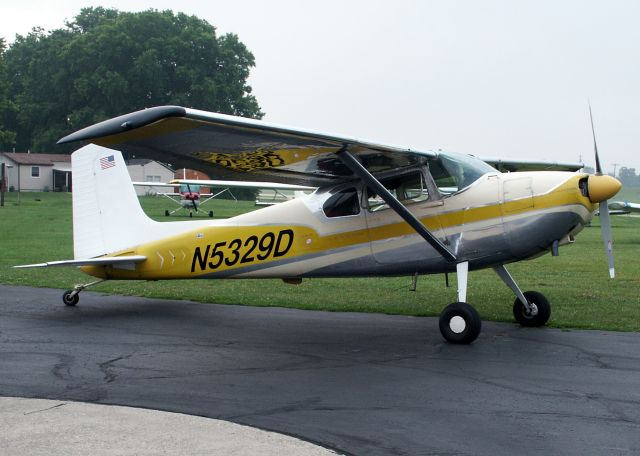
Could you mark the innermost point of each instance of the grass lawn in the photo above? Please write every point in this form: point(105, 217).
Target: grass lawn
point(576, 282)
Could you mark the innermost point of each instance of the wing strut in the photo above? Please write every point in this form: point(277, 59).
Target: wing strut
point(360, 171)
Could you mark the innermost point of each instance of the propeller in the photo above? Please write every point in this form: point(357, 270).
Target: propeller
point(193, 201)
point(600, 190)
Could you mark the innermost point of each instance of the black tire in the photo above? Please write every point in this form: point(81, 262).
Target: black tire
point(541, 304)
point(70, 299)
point(211, 214)
point(460, 323)
point(166, 213)
point(190, 214)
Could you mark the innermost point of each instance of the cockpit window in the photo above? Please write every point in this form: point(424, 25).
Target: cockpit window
point(342, 204)
point(408, 188)
point(453, 172)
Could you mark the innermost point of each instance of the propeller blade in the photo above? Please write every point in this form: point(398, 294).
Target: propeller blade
point(605, 226)
point(605, 220)
point(193, 202)
point(595, 145)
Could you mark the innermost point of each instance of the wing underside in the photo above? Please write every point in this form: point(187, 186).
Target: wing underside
point(235, 148)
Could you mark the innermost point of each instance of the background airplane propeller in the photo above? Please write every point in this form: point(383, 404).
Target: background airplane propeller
point(605, 220)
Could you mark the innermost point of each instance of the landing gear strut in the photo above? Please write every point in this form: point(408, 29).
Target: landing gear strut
point(71, 297)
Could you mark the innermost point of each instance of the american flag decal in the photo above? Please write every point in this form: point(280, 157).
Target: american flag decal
point(107, 162)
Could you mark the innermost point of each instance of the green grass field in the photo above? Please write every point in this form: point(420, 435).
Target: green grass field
point(576, 282)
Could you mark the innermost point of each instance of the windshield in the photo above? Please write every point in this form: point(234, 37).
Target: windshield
point(184, 188)
point(453, 172)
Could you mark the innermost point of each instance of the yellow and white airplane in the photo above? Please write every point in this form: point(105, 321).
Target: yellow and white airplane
point(377, 211)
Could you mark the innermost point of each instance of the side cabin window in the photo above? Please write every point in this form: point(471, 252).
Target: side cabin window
point(342, 204)
point(407, 188)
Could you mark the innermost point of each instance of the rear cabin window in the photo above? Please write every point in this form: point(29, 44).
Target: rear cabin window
point(342, 204)
point(408, 189)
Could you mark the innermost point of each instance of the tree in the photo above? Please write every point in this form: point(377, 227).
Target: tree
point(628, 177)
point(7, 111)
point(105, 63)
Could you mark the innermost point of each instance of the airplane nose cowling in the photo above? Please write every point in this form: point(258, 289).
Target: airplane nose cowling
point(601, 188)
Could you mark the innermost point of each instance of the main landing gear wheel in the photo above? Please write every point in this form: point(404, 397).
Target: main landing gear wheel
point(70, 298)
point(460, 323)
point(540, 310)
point(167, 213)
point(211, 214)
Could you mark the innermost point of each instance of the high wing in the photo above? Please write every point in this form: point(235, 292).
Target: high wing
point(514, 164)
point(232, 147)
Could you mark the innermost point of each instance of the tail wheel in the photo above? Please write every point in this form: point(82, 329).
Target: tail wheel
point(460, 323)
point(70, 298)
point(540, 310)
point(210, 213)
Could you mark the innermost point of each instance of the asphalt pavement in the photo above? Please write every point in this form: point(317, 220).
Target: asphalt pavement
point(354, 383)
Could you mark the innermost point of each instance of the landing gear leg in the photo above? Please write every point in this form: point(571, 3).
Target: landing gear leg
point(71, 297)
point(530, 308)
point(460, 322)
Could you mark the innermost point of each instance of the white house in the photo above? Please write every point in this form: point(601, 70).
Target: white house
point(32, 172)
point(145, 170)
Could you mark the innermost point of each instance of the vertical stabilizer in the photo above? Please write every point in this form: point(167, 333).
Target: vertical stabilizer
point(107, 216)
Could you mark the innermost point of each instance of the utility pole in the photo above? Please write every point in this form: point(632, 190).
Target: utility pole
point(3, 184)
point(615, 165)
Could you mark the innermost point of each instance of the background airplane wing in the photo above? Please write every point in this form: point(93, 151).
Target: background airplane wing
point(154, 184)
point(513, 165)
point(623, 207)
point(235, 148)
point(240, 184)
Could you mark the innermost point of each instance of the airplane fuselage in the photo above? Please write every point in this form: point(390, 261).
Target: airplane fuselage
point(499, 219)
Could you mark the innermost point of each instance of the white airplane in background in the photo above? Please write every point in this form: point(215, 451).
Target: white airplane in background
point(191, 199)
point(623, 207)
point(378, 210)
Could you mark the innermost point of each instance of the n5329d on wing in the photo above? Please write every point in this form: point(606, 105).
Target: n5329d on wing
point(377, 211)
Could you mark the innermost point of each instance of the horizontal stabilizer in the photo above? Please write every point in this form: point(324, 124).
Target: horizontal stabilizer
point(89, 262)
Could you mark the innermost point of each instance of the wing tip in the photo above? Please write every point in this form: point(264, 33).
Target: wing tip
point(124, 123)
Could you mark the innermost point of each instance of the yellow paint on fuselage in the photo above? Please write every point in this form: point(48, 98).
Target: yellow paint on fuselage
point(222, 249)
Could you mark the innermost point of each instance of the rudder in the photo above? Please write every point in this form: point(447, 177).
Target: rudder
point(107, 216)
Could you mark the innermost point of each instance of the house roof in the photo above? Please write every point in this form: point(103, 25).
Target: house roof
point(22, 158)
point(145, 161)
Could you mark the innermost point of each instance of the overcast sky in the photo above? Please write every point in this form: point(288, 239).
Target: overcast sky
point(493, 78)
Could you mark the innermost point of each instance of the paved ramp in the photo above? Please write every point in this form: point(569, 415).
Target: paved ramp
point(356, 383)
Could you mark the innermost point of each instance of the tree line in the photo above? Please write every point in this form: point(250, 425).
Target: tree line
point(105, 63)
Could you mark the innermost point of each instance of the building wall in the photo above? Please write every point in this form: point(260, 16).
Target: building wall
point(151, 172)
point(10, 173)
point(19, 176)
